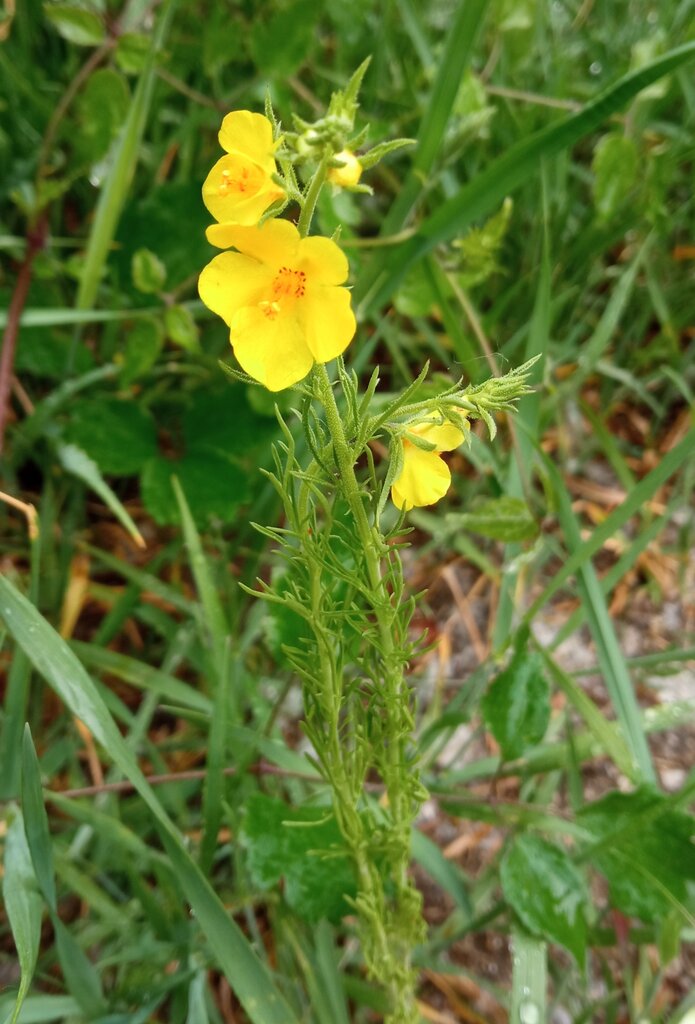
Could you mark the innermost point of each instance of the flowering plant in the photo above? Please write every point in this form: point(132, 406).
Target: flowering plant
point(282, 293)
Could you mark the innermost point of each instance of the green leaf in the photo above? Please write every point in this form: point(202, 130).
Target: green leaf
point(23, 904)
point(480, 248)
point(507, 519)
point(131, 52)
point(143, 344)
point(212, 483)
point(181, 328)
point(249, 977)
point(282, 41)
point(101, 109)
point(547, 892)
point(516, 707)
point(647, 864)
point(303, 848)
point(76, 24)
point(615, 172)
point(222, 421)
point(120, 436)
point(149, 273)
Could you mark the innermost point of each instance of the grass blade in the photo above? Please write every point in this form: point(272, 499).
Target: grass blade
point(113, 194)
point(23, 905)
point(54, 660)
point(522, 161)
point(461, 39)
point(80, 976)
point(529, 980)
point(77, 462)
point(643, 492)
point(610, 657)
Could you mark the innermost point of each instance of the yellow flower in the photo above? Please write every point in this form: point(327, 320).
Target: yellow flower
point(240, 187)
point(425, 477)
point(350, 172)
point(279, 295)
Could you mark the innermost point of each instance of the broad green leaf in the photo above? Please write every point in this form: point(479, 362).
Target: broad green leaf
point(222, 421)
point(213, 484)
point(648, 866)
point(23, 904)
point(304, 847)
point(547, 892)
point(615, 172)
point(149, 273)
point(120, 436)
point(506, 518)
point(516, 707)
point(76, 24)
point(53, 659)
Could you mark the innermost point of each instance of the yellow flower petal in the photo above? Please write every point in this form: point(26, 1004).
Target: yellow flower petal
point(275, 243)
point(271, 349)
point(327, 320)
point(444, 436)
point(323, 260)
point(349, 173)
point(251, 134)
point(424, 479)
point(237, 190)
point(232, 281)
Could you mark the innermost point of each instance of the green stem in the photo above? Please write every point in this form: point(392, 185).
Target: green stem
point(395, 968)
point(311, 198)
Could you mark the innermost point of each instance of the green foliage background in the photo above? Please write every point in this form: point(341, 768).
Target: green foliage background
point(108, 120)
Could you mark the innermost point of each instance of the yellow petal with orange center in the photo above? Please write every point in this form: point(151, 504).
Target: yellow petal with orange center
point(231, 281)
point(244, 132)
point(237, 190)
point(322, 260)
point(327, 320)
point(423, 480)
point(270, 346)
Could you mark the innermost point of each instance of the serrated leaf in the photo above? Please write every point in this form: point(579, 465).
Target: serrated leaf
point(615, 172)
point(76, 24)
point(120, 436)
point(148, 271)
point(547, 892)
point(507, 519)
point(647, 865)
point(480, 248)
point(23, 904)
point(212, 483)
point(308, 853)
point(516, 707)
